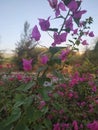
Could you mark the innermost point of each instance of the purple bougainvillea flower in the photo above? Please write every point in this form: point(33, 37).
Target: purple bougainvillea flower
point(84, 42)
point(69, 24)
point(27, 64)
point(93, 125)
point(73, 5)
point(56, 126)
point(75, 125)
point(35, 33)
point(42, 104)
point(44, 59)
point(44, 24)
point(75, 31)
point(62, 6)
point(78, 14)
point(53, 3)
point(59, 38)
point(64, 54)
point(91, 34)
point(57, 6)
point(86, 33)
point(81, 23)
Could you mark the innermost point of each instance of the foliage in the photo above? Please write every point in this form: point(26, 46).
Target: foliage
point(51, 99)
point(92, 55)
point(25, 48)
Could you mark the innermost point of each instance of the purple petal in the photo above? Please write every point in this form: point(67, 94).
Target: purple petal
point(44, 24)
point(57, 12)
point(63, 37)
point(73, 6)
point(58, 39)
point(35, 33)
point(84, 42)
point(53, 3)
point(78, 14)
point(69, 24)
point(62, 6)
point(91, 34)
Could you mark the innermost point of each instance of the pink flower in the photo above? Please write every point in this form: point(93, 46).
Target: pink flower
point(1, 66)
point(86, 33)
point(42, 104)
point(9, 66)
point(35, 33)
point(91, 34)
point(56, 126)
point(44, 59)
point(78, 14)
point(75, 125)
point(84, 42)
point(53, 3)
point(70, 95)
point(19, 76)
point(69, 24)
point(62, 6)
point(83, 103)
point(94, 88)
point(73, 5)
point(44, 24)
point(75, 31)
point(27, 66)
point(57, 6)
point(93, 126)
point(64, 54)
point(60, 93)
point(59, 38)
point(64, 126)
point(63, 86)
point(81, 23)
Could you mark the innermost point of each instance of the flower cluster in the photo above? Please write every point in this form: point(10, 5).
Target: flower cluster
point(50, 99)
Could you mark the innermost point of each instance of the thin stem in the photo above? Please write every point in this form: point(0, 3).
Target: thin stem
point(64, 22)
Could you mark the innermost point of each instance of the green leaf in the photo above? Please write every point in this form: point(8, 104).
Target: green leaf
point(59, 75)
point(18, 103)
point(77, 21)
point(3, 127)
point(48, 124)
point(42, 79)
point(44, 93)
point(74, 48)
point(21, 126)
point(66, 2)
point(45, 109)
point(36, 115)
point(26, 101)
point(42, 68)
point(38, 127)
point(19, 100)
point(26, 87)
point(57, 106)
point(54, 50)
point(29, 114)
point(54, 61)
point(15, 115)
point(77, 42)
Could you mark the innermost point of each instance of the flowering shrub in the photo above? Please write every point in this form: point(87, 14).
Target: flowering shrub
point(50, 99)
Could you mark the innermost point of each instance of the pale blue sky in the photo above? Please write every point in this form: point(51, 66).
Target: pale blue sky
point(13, 14)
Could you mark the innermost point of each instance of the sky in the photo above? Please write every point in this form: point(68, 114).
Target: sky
point(14, 13)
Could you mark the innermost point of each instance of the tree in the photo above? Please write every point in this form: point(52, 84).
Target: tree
point(92, 55)
point(26, 47)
